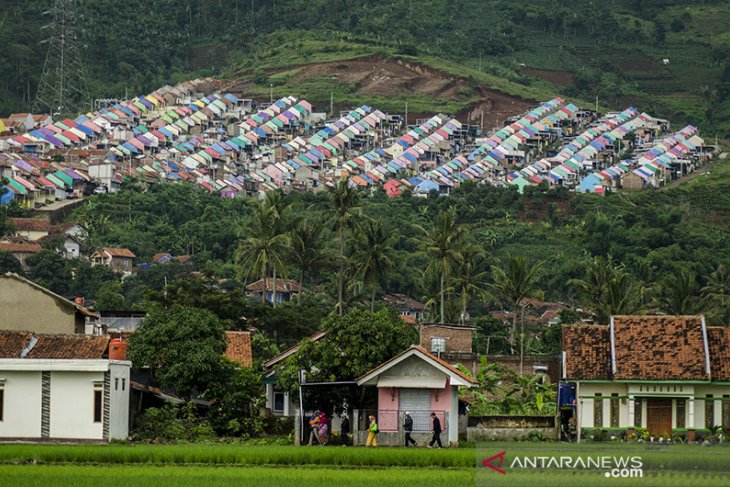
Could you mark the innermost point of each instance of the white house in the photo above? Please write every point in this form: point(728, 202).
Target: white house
point(667, 374)
point(278, 401)
point(61, 387)
point(420, 383)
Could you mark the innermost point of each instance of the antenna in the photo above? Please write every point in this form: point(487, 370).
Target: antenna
point(62, 87)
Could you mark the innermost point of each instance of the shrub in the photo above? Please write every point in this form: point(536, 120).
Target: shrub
point(172, 423)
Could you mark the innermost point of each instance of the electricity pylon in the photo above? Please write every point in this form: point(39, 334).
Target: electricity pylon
point(62, 88)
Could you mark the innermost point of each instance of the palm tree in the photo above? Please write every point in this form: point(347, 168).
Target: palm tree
point(469, 275)
point(344, 208)
point(375, 257)
point(441, 242)
point(679, 293)
point(716, 294)
point(263, 244)
point(515, 281)
point(306, 248)
point(608, 289)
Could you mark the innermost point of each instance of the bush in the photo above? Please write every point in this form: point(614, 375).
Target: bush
point(172, 423)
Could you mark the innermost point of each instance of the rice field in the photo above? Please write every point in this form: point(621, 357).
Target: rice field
point(226, 464)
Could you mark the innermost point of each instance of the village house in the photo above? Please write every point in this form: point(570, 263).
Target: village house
point(445, 340)
point(278, 401)
point(62, 387)
point(286, 289)
point(26, 306)
point(420, 383)
point(666, 374)
point(407, 307)
point(21, 250)
point(119, 259)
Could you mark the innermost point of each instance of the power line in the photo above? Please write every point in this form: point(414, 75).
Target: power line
point(62, 88)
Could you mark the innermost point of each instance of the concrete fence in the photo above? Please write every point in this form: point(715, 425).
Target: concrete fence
point(481, 428)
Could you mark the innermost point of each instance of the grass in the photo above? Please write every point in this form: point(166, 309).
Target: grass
point(150, 476)
point(203, 465)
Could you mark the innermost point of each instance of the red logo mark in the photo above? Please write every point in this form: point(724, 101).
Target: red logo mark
point(488, 462)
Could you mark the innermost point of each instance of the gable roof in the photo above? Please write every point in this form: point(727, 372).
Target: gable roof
point(291, 350)
point(646, 348)
point(118, 252)
point(12, 344)
point(239, 347)
point(282, 285)
point(458, 378)
point(78, 307)
point(403, 301)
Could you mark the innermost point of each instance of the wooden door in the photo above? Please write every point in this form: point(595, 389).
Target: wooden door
point(659, 416)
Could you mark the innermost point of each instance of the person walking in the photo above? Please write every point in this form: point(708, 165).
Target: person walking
point(408, 428)
point(436, 431)
point(323, 432)
point(345, 430)
point(372, 432)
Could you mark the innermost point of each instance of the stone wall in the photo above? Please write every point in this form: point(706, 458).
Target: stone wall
point(493, 428)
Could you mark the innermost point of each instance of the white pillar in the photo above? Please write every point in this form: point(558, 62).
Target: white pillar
point(270, 396)
point(691, 413)
point(286, 404)
point(453, 429)
point(632, 417)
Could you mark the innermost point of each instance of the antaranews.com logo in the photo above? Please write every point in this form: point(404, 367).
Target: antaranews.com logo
point(612, 466)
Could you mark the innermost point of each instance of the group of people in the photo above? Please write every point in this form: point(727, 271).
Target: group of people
point(373, 431)
point(319, 430)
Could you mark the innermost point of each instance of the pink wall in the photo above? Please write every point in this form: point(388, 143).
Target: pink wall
point(441, 402)
point(388, 408)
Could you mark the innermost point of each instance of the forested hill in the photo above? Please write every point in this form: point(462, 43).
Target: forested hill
point(668, 56)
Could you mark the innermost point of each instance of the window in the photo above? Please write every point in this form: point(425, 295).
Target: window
point(116, 383)
point(598, 410)
point(124, 383)
point(438, 345)
point(279, 402)
point(637, 412)
point(709, 412)
point(98, 389)
point(681, 413)
point(614, 410)
point(125, 263)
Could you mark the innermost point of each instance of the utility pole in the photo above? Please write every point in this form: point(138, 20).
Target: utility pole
point(332, 100)
point(406, 121)
point(62, 87)
point(481, 121)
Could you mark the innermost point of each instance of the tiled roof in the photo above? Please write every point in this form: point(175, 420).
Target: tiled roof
point(659, 348)
point(12, 344)
point(32, 225)
point(587, 352)
point(118, 252)
point(20, 247)
point(239, 347)
point(282, 285)
point(718, 339)
point(647, 348)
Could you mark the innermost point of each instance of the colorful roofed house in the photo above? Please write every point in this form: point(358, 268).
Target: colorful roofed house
point(667, 374)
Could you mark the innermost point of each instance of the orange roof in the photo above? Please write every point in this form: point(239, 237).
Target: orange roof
point(239, 347)
point(282, 285)
point(20, 247)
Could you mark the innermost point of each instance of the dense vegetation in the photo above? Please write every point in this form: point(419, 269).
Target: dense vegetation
point(614, 52)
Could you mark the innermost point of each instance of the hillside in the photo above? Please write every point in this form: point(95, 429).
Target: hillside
point(530, 51)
